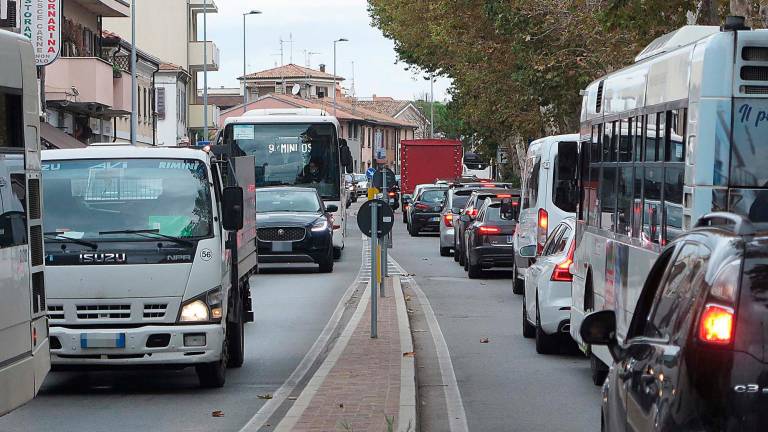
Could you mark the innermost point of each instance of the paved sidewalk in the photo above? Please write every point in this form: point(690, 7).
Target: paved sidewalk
point(359, 385)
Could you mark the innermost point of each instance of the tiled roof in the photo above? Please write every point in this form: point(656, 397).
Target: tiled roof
point(386, 106)
point(291, 71)
point(170, 67)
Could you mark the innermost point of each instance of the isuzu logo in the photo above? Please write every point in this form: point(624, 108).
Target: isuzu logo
point(103, 258)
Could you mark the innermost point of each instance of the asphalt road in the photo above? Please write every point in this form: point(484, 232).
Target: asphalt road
point(292, 306)
point(504, 384)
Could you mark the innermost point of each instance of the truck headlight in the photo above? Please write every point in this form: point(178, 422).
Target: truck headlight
point(320, 225)
point(203, 308)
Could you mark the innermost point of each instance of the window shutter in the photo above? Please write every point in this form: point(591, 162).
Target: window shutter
point(160, 102)
point(8, 18)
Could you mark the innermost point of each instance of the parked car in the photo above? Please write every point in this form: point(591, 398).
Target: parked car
point(293, 226)
point(425, 211)
point(361, 184)
point(471, 209)
point(547, 301)
point(488, 239)
point(549, 195)
point(695, 353)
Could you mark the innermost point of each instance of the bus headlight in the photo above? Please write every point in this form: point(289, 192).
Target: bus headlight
point(203, 308)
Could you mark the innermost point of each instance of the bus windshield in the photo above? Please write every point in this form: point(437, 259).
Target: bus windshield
point(293, 154)
point(86, 199)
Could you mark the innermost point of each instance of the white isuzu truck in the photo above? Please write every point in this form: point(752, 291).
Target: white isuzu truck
point(148, 254)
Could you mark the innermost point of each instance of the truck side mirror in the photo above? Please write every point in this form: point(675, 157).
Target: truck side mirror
point(232, 208)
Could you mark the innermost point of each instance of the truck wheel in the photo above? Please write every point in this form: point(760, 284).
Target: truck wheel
point(236, 341)
point(326, 265)
point(214, 375)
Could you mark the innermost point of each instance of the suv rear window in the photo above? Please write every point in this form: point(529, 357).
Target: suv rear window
point(565, 187)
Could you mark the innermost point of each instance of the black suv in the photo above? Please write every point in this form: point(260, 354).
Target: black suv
point(488, 240)
point(425, 210)
point(469, 214)
point(695, 356)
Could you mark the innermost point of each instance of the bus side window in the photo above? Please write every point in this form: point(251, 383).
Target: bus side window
point(13, 193)
point(583, 179)
point(652, 211)
point(11, 120)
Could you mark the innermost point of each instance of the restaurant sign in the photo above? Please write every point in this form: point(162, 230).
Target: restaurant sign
point(41, 23)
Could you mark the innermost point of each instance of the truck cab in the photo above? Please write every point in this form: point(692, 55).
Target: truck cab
point(148, 259)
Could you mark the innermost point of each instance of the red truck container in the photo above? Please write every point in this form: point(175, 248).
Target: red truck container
point(426, 160)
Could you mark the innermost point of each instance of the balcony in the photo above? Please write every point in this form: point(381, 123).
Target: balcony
point(88, 84)
point(197, 6)
point(196, 56)
point(196, 116)
point(107, 8)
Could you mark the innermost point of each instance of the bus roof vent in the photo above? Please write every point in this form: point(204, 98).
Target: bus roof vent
point(679, 38)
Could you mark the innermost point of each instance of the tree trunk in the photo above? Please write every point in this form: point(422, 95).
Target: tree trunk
point(707, 12)
point(742, 8)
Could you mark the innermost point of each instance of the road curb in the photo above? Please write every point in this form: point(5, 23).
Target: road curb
point(407, 414)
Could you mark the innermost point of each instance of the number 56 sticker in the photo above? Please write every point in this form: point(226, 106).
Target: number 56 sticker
point(206, 254)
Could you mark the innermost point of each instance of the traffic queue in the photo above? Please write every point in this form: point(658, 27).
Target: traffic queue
point(645, 254)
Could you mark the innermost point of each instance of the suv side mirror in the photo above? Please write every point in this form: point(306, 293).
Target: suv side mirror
point(599, 328)
point(232, 208)
point(332, 208)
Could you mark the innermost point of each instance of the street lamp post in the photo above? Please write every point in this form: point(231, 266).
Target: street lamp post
point(205, 70)
point(134, 89)
point(334, 72)
point(245, 81)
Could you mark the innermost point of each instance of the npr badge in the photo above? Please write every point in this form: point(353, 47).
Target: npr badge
point(206, 254)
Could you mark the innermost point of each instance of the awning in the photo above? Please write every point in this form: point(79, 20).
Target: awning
point(54, 138)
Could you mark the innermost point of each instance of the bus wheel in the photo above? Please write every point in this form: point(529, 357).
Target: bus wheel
point(599, 370)
point(236, 342)
point(214, 375)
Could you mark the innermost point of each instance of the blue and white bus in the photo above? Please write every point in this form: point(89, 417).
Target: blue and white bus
point(24, 344)
point(680, 133)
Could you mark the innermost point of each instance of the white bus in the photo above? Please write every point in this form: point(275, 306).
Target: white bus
point(680, 133)
point(294, 147)
point(24, 355)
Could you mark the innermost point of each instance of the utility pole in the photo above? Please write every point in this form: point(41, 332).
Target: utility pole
point(432, 106)
point(353, 91)
point(134, 83)
point(282, 62)
point(290, 35)
point(245, 73)
point(334, 72)
point(205, 69)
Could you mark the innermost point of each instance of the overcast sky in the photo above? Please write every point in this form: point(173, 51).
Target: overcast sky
point(315, 24)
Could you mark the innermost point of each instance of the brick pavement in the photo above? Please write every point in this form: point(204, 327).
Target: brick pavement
point(362, 388)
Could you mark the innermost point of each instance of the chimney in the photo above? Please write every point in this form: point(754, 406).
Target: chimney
point(322, 67)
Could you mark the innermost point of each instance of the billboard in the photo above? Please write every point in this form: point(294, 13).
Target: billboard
point(40, 21)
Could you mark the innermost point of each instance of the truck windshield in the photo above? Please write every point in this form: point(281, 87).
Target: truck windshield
point(295, 154)
point(103, 200)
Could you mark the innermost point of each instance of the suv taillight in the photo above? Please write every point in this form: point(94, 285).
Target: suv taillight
point(541, 230)
point(421, 206)
point(562, 271)
point(489, 230)
point(718, 317)
point(448, 219)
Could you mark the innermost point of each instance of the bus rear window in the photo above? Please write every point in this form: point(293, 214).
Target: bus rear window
point(565, 191)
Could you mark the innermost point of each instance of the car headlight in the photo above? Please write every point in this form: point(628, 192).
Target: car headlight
point(206, 307)
point(320, 225)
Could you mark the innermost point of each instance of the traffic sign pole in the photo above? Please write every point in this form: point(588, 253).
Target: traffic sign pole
point(374, 269)
point(384, 240)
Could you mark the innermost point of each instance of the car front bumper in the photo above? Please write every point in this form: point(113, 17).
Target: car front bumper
point(136, 352)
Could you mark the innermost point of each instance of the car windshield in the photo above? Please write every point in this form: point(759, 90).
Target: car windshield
point(280, 200)
point(360, 178)
point(296, 154)
point(84, 198)
point(432, 196)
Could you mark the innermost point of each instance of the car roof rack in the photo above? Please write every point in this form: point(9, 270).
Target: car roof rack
point(739, 225)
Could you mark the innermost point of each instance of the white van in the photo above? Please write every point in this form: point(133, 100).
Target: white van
point(549, 195)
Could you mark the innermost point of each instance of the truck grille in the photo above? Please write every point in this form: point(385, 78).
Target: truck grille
point(154, 310)
point(56, 312)
point(96, 312)
point(281, 234)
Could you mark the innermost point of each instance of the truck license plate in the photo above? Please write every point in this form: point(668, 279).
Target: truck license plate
point(282, 247)
point(102, 340)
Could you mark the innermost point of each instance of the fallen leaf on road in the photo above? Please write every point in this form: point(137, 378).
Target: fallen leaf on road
point(409, 311)
point(411, 274)
point(484, 340)
point(483, 283)
point(419, 331)
point(425, 259)
point(409, 354)
point(217, 413)
point(341, 405)
point(265, 396)
point(292, 398)
point(407, 298)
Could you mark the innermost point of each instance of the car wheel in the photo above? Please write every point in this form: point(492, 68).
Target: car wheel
point(599, 370)
point(326, 264)
point(518, 286)
point(445, 251)
point(405, 217)
point(214, 374)
point(462, 258)
point(336, 253)
point(545, 344)
point(529, 331)
point(236, 340)
point(474, 271)
point(456, 254)
point(413, 231)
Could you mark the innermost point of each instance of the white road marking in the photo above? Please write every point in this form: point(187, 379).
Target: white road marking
point(281, 395)
point(457, 416)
